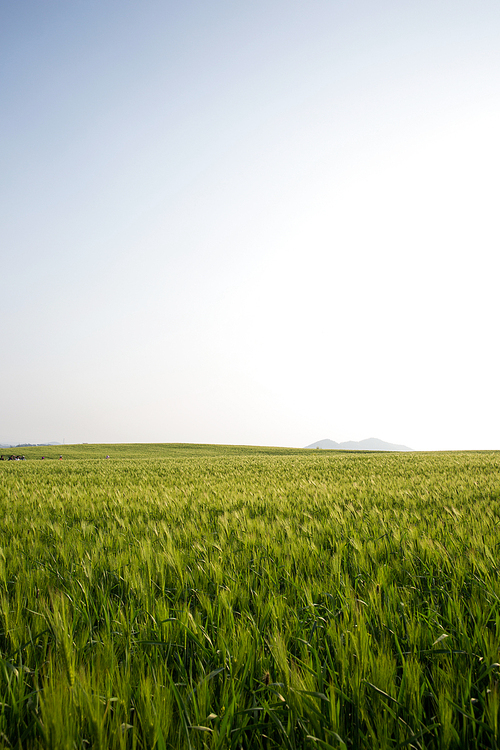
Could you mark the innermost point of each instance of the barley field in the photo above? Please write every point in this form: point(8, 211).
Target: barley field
point(177, 596)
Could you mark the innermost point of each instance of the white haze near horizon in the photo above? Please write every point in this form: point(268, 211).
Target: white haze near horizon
point(250, 223)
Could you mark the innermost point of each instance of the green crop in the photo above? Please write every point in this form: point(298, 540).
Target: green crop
point(212, 597)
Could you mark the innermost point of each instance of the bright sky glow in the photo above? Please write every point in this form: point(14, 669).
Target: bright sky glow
point(251, 223)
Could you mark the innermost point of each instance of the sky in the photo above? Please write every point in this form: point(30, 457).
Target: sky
point(266, 222)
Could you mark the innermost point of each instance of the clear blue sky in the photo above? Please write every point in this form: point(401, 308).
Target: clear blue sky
point(250, 222)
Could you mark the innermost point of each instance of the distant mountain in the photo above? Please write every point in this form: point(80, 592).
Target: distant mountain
point(370, 444)
point(25, 445)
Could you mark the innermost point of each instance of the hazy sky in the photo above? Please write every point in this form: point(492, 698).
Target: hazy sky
point(263, 222)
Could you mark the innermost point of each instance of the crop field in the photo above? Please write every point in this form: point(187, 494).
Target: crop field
point(210, 597)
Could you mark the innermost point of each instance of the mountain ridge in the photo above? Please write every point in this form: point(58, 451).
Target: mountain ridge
point(26, 445)
point(369, 444)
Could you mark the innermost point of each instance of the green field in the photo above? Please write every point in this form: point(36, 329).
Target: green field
point(179, 596)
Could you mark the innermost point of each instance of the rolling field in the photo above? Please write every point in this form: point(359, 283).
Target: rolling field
point(223, 597)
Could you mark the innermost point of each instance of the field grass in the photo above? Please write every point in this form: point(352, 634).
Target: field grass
point(212, 597)
point(148, 450)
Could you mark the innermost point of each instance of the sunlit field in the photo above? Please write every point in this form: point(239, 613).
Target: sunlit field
point(213, 597)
